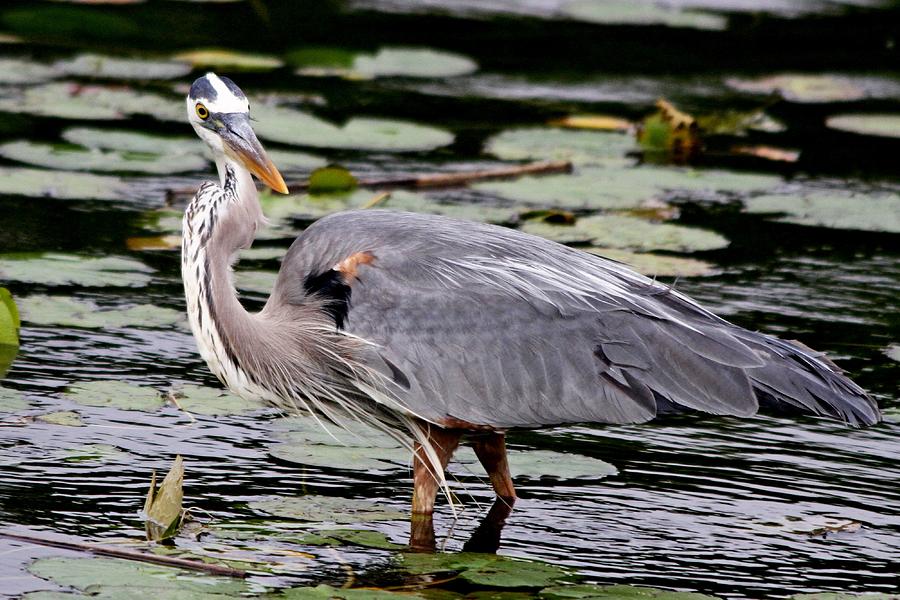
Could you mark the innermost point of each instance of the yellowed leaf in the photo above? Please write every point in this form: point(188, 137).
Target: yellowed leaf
point(156, 242)
point(768, 152)
point(595, 122)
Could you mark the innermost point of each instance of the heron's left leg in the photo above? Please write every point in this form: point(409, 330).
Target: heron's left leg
point(426, 483)
point(491, 451)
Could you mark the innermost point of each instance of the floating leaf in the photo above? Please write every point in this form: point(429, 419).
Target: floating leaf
point(629, 232)
point(348, 458)
point(69, 269)
point(735, 122)
point(326, 509)
point(326, 592)
point(9, 319)
point(768, 153)
point(59, 156)
point(65, 417)
point(361, 537)
point(327, 180)
point(657, 265)
point(7, 356)
point(560, 465)
point(316, 60)
point(641, 12)
point(893, 352)
point(615, 592)
point(208, 401)
point(579, 147)
point(91, 102)
point(72, 312)
point(487, 570)
point(12, 401)
point(115, 394)
point(835, 210)
point(16, 71)
point(218, 58)
point(289, 126)
point(670, 131)
point(594, 122)
point(39, 183)
point(419, 203)
point(132, 141)
point(260, 282)
point(845, 596)
point(886, 125)
point(289, 161)
point(163, 511)
point(116, 67)
point(802, 88)
point(413, 62)
point(111, 576)
point(155, 242)
point(97, 452)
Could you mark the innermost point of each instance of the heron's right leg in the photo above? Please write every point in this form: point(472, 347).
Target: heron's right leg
point(491, 451)
point(426, 483)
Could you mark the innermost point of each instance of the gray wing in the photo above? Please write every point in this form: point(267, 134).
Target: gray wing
point(486, 326)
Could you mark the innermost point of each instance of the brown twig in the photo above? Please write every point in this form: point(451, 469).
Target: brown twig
point(127, 554)
point(431, 180)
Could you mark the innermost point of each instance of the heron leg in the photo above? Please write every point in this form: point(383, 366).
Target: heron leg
point(491, 451)
point(426, 483)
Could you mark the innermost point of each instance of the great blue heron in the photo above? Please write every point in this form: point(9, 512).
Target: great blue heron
point(433, 328)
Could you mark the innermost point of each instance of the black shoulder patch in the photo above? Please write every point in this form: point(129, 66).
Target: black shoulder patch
point(202, 88)
point(330, 287)
point(233, 87)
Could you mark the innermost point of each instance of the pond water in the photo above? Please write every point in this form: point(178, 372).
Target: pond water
point(771, 506)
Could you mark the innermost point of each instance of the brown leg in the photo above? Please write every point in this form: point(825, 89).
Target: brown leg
point(491, 451)
point(425, 481)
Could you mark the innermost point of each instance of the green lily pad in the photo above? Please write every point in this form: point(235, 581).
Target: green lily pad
point(70, 23)
point(219, 58)
point(845, 596)
point(802, 88)
point(657, 265)
point(112, 575)
point(61, 156)
point(115, 394)
point(7, 356)
point(69, 269)
point(615, 231)
point(289, 160)
point(835, 210)
point(39, 183)
point(263, 253)
point(208, 401)
point(348, 458)
point(360, 537)
point(560, 465)
point(91, 102)
point(421, 203)
point(489, 570)
point(583, 148)
point(163, 511)
point(132, 141)
point(116, 67)
point(16, 71)
point(290, 126)
point(12, 401)
point(9, 319)
point(413, 62)
point(326, 592)
point(72, 312)
point(615, 592)
point(326, 509)
point(65, 417)
point(886, 125)
point(893, 352)
point(329, 180)
point(93, 452)
point(260, 282)
point(641, 12)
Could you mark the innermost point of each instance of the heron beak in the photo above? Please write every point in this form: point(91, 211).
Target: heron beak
point(242, 144)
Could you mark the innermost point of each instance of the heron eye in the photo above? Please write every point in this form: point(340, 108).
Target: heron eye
point(202, 112)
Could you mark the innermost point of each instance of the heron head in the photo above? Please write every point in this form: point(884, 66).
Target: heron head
point(220, 114)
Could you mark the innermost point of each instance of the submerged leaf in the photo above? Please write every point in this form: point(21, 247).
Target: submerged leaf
point(98, 452)
point(115, 394)
point(12, 401)
point(163, 516)
point(65, 417)
point(208, 401)
point(326, 509)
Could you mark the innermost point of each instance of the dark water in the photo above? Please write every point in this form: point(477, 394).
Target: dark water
point(720, 506)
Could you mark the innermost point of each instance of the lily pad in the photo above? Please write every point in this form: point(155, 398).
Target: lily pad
point(260, 282)
point(802, 88)
point(560, 465)
point(16, 71)
point(657, 265)
point(62, 156)
point(593, 122)
point(133, 141)
point(290, 161)
point(835, 210)
point(641, 12)
point(208, 401)
point(893, 352)
point(162, 511)
point(112, 575)
point(845, 596)
point(39, 183)
point(66, 417)
point(422, 203)
point(219, 58)
point(331, 179)
point(326, 592)
point(348, 458)
point(9, 319)
point(413, 62)
point(116, 67)
point(12, 401)
point(93, 452)
point(488, 570)
point(115, 394)
point(615, 592)
point(290, 126)
point(72, 312)
point(90, 102)
point(361, 537)
point(326, 509)
point(584, 148)
point(631, 233)
point(69, 269)
point(887, 125)
point(7, 356)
